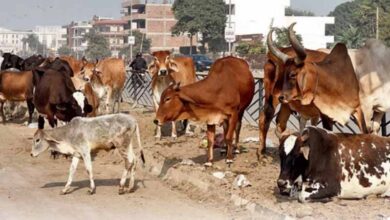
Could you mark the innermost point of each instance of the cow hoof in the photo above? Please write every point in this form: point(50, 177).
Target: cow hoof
point(208, 164)
point(121, 191)
point(157, 138)
point(65, 191)
point(190, 134)
point(174, 137)
point(237, 151)
point(229, 161)
point(92, 191)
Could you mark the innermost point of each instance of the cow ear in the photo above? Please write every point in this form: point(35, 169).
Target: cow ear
point(307, 82)
point(172, 65)
point(84, 60)
point(49, 138)
point(176, 87)
point(305, 150)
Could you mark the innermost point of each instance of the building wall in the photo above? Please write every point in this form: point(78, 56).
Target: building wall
point(159, 20)
point(256, 17)
point(11, 40)
point(52, 36)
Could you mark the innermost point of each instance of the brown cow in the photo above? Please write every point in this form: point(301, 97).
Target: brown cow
point(273, 85)
point(221, 97)
point(17, 86)
point(92, 99)
point(165, 70)
point(77, 68)
point(111, 73)
point(322, 83)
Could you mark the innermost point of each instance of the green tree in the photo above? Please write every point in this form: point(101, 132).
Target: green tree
point(98, 46)
point(282, 37)
point(295, 12)
point(207, 17)
point(359, 16)
point(248, 49)
point(33, 44)
point(139, 37)
point(64, 51)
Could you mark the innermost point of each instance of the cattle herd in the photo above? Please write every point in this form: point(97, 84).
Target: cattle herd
point(315, 164)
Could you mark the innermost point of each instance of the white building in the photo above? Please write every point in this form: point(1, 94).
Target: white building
point(52, 36)
point(11, 41)
point(256, 17)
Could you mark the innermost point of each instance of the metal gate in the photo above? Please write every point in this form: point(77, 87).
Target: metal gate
point(138, 90)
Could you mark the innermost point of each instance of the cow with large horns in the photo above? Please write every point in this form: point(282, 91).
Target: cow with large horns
point(322, 83)
point(273, 86)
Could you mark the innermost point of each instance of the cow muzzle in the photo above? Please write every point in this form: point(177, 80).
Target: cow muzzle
point(156, 122)
point(163, 72)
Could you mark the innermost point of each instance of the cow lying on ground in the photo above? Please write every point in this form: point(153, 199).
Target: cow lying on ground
point(220, 98)
point(83, 136)
point(346, 166)
point(166, 70)
point(55, 95)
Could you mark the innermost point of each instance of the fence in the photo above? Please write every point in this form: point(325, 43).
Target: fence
point(139, 90)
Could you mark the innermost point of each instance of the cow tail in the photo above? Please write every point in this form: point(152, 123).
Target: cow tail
point(139, 143)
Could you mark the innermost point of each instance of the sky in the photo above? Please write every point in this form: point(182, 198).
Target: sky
point(25, 14)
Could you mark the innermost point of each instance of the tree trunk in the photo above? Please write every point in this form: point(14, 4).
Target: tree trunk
point(191, 36)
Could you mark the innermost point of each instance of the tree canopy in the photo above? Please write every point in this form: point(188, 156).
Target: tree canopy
point(98, 46)
point(207, 17)
point(295, 12)
point(282, 37)
point(355, 21)
point(33, 44)
point(64, 51)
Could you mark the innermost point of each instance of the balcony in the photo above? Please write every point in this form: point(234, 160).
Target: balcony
point(134, 3)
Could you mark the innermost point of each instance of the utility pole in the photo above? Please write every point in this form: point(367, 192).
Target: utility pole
point(230, 24)
point(377, 21)
point(131, 29)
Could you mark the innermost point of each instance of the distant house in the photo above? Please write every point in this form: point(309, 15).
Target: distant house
point(256, 17)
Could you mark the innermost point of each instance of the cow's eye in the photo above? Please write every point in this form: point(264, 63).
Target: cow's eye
point(37, 140)
point(293, 75)
point(167, 99)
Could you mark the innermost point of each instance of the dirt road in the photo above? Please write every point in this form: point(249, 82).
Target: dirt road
point(29, 188)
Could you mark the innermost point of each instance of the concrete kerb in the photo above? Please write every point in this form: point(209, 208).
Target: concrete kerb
point(156, 166)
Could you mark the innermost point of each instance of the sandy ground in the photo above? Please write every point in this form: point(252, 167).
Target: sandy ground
point(30, 186)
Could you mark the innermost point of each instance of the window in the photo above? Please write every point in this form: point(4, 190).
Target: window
point(233, 9)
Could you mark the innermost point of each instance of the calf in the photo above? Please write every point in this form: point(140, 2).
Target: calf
point(346, 166)
point(82, 136)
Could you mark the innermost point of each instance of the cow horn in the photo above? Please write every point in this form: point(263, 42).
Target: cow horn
point(299, 49)
point(274, 50)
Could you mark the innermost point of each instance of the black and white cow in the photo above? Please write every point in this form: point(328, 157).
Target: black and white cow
point(329, 165)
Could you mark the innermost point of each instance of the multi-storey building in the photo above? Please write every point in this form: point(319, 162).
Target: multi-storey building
point(155, 19)
point(113, 31)
point(76, 35)
point(11, 40)
point(53, 37)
